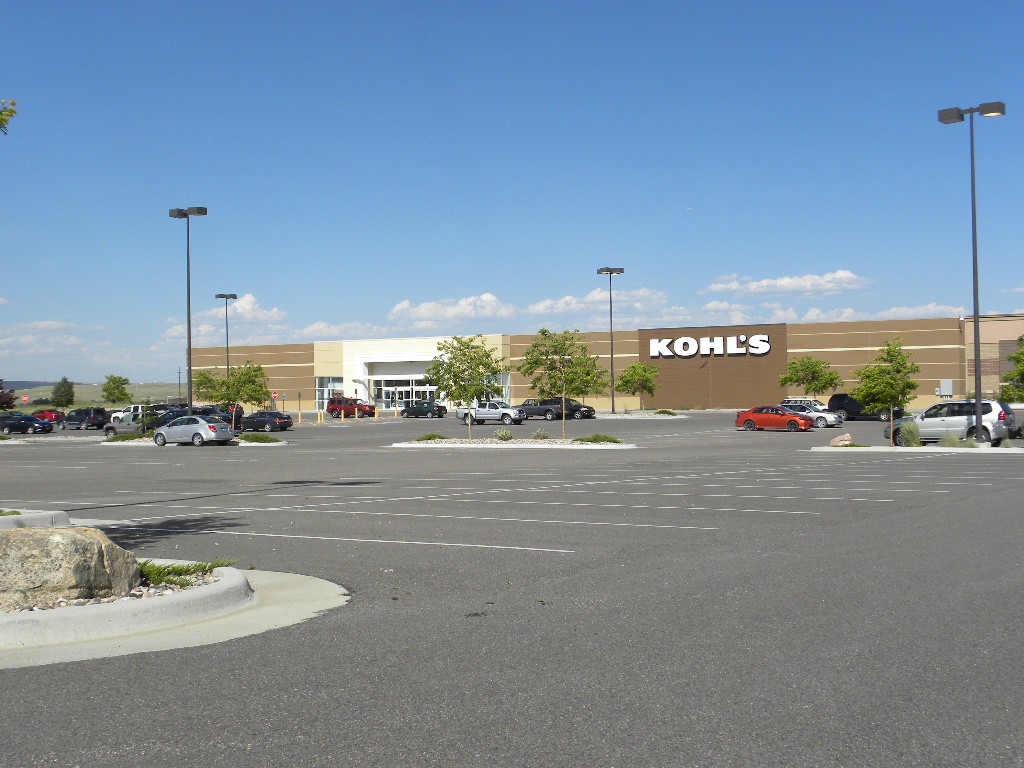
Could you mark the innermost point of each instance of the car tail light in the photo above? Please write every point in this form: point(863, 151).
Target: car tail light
point(213, 427)
point(1002, 415)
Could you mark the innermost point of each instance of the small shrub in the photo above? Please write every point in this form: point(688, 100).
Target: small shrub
point(664, 412)
point(179, 574)
point(853, 445)
point(5, 437)
point(430, 436)
point(8, 512)
point(258, 437)
point(911, 434)
point(950, 440)
point(540, 434)
point(599, 438)
point(504, 435)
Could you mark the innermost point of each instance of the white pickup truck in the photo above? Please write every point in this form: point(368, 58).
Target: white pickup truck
point(491, 410)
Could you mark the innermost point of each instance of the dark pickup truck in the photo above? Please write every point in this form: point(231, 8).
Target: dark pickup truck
point(544, 409)
point(551, 408)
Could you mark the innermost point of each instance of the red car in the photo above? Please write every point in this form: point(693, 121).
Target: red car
point(48, 414)
point(773, 417)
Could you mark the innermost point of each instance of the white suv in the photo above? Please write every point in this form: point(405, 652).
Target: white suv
point(956, 417)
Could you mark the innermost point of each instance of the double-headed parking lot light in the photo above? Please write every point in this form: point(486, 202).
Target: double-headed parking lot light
point(956, 115)
point(611, 327)
point(187, 214)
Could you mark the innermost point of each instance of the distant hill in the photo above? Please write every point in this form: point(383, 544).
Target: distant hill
point(27, 384)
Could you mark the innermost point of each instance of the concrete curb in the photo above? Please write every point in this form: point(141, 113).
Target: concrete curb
point(22, 629)
point(986, 451)
point(245, 604)
point(35, 519)
point(141, 443)
point(539, 444)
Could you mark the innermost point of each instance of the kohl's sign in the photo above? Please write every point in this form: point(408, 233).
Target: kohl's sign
point(719, 346)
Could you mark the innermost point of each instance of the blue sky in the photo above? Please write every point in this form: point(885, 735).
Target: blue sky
point(385, 169)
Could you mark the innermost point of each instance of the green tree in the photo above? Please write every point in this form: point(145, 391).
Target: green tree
point(63, 393)
point(245, 384)
point(815, 376)
point(638, 379)
point(466, 370)
point(1013, 382)
point(7, 111)
point(560, 365)
point(206, 386)
point(6, 397)
point(886, 384)
point(115, 390)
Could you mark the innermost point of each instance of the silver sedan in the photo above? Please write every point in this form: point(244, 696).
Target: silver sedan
point(196, 430)
point(822, 418)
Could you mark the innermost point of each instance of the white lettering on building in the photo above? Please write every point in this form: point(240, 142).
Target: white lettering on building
point(719, 346)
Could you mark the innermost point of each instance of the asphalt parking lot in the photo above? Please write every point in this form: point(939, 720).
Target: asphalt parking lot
point(712, 597)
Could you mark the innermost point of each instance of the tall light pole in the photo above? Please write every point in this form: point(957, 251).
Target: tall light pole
point(186, 214)
point(227, 347)
point(611, 327)
point(956, 115)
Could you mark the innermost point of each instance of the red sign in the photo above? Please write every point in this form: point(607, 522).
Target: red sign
point(24, 398)
point(274, 395)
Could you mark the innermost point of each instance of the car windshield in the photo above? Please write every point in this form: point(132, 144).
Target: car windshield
point(502, 404)
point(214, 419)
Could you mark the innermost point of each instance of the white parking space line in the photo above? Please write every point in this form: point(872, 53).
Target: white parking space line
point(359, 541)
point(523, 520)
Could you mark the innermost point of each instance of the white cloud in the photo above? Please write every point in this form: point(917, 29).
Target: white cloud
point(432, 314)
point(829, 283)
point(246, 309)
point(723, 306)
point(926, 310)
point(3, 300)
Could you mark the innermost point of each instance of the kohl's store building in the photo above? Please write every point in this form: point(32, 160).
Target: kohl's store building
point(728, 367)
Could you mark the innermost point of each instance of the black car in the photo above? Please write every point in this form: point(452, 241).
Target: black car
point(573, 409)
point(24, 424)
point(428, 408)
point(266, 421)
point(849, 408)
point(83, 418)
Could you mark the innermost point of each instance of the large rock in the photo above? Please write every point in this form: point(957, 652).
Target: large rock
point(40, 565)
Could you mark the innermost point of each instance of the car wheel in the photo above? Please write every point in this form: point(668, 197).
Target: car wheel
point(506, 419)
point(467, 419)
point(843, 414)
point(268, 427)
point(335, 414)
point(792, 426)
point(110, 432)
point(578, 415)
point(549, 415)
point(197, 440)
point(819, 422)
point(7, 430)
point(404, 414)
point(517, 421)
point(898, 439)
point(984, 437)
point(431, 414)
point(883, 416)
point(160, 440)
point(749, 425)
point(360, 414)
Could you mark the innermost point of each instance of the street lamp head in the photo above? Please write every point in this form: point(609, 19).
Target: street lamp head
point(610, 271)
point(178, 213)
point(195, 211)
point(226, 296)
point(951, 115)
point(992, 109)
